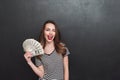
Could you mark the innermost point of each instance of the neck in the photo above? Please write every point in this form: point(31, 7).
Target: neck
point(49, 47)
point(50, 44)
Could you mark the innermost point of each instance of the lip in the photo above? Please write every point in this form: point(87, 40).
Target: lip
point(50, 37)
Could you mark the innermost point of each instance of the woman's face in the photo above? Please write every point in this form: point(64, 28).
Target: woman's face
point(49, 32)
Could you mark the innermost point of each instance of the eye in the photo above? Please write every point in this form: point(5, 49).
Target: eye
point(47, 29)
point(53, 30)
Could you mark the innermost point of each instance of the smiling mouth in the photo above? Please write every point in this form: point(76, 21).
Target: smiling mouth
point(50, 37)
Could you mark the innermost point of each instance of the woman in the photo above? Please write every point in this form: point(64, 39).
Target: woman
point(53, 65)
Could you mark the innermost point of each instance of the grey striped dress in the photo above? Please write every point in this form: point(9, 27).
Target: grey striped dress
point(53, 65)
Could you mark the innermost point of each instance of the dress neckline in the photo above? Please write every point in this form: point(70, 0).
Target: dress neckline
point(50, 53)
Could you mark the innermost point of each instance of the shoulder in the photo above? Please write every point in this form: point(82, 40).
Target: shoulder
point(66, 48)
point(62, 44)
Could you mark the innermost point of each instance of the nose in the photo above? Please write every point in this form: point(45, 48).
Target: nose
point(51, 32)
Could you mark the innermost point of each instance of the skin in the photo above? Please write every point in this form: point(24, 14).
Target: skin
point(49, 34)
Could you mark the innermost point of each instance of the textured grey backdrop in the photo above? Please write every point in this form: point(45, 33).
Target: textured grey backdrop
point(90, 28)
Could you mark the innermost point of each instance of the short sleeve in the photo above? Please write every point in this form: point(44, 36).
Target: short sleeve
point(67, 52)
point(38, 62)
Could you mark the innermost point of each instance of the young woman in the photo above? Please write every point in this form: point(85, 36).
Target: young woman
point(53, 65)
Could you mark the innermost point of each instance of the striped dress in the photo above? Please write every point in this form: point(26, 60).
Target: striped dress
point(53, 65)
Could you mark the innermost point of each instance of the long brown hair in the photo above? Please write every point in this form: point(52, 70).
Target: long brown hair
point(59, 46)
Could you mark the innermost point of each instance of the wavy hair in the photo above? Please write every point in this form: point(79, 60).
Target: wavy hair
point(59, 45)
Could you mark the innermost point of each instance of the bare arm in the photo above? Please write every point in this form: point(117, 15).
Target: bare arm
point(38, 70)
point(66, 68)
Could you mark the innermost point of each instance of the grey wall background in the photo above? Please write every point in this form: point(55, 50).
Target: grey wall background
point(90, 28)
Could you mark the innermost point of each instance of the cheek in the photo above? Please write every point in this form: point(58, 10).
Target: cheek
point(45, 33)
point(54, 34)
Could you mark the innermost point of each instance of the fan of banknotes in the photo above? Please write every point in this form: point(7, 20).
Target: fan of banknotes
point(33, 46)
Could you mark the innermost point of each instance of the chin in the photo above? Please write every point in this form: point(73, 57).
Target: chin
point(49, 41)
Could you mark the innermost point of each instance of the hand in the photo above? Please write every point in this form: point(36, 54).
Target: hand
point(28, 57)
